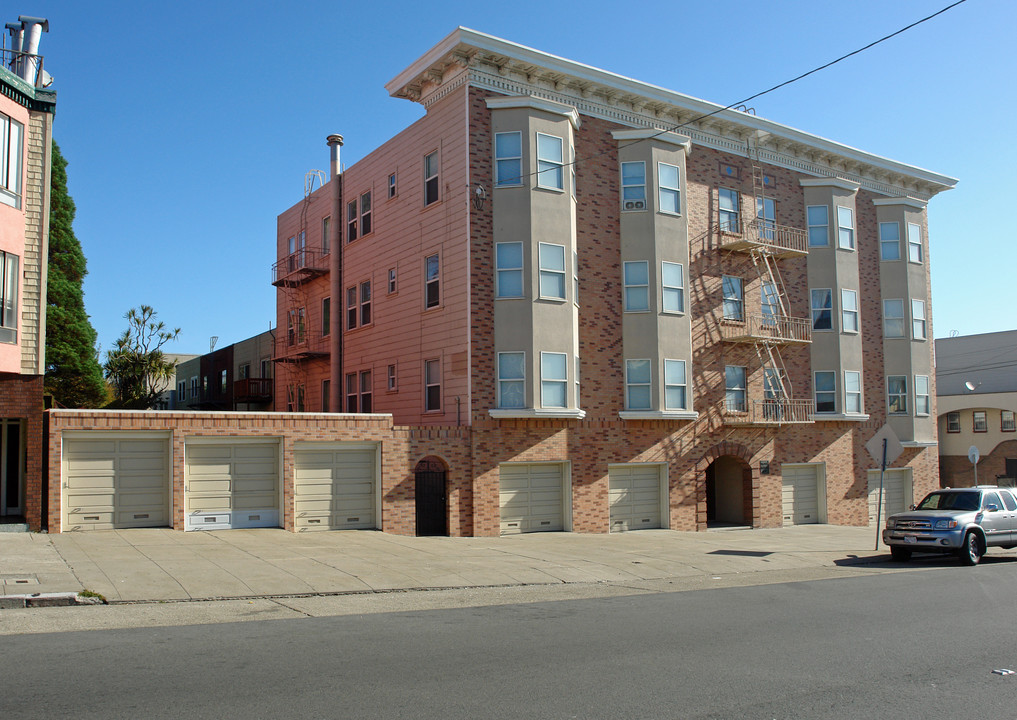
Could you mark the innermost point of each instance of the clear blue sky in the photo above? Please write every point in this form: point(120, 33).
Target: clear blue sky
point(189, 126)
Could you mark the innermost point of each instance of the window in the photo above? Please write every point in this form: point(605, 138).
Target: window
point(244, 371)
point(365, 303)
point(672, 287)
point(897, 394)
point(819, 225)
point(194, 387)
point(300, 397)
point(918, 319)
point(575, 278)
point(637, 286)
point(432, 385)
point(326, 388)
point(773, 393)
point(576, 367)
point(822, 309)
point(637, 385)
point(852, 391)
point(953, 422)
point(351, 221)
point(914, 243)
point(508, 158)
point(668, 191)
point(508, 269)
point(9, 284)
point(893, 318)
point(633, 185)
point(552, 271)
point(365, 214)
point(181, 391)
point(351, 308)
point(511, 380)
point(392, 383)
point(846, 228)
point(728, 203)
point(391, 280)
point(553, 380)
point(365, 391)
point(296, 329)
point(921, 394)
point(11, 132)
point(266, 368)
point(826, 391)
point(848, 311)
point(351, 392)
point(1007, 422)
point(326, 316)
point(675, 385)
point(769, 302)
point(979, 421)
point(326, 235)
point(222, 382)
point(431, 178)
point(392, 185)
point(734, 300)
point(734, 388)
point(550, 161)
point(432, 295)
point(889, 241)
point(766, 212)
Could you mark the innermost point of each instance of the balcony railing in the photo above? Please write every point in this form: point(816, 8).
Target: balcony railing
point(252, 390)
point(25, 66)
point(776, 329)
point(299, 267)
point(767, 412)
point(760, 234)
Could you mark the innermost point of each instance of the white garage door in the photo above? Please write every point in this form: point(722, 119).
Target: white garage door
point(115, 483)
point(634, 496)
point(334, 488)
point(531, 498)
point(801, 494)
point(232, 485)
point(897, 493)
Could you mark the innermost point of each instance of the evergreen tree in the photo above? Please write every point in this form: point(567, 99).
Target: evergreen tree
point(73, 374)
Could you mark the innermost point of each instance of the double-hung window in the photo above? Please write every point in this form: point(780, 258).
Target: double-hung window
point(365, 213)
point(675, 385)
point(552, 270)
point(766, 214)
point(351, 221)
point(351, 392)
point(365, 302)
point(181, 391)
point(508, 158)
point(9, 276)
point(392, 187)
point(848, 311)
point(432, 385)
point(391, 280)
point(553, 380)
point(668, 189)
point(366, 391)
point(918, 319)
point(728, 210)
point(893, 318)
point(326, 235)
point(914, 243)
point(889, 241)
point(432, 294)
point(11, 133)
point(953, 424)
point(637, 385)
point(852, 391)
point(826, 391)
point(351, 307)
point(1007, 421)
point(392, 381)
point(734, 388)
point(922, 395)
point(637, 286)
point(431, 178)
point(550, 162)
point(819, 225)
point(511, 380)
point(822, 309)
point(845, 228)
point(897, 394)
point(979, 421)
point(734, 298)
point(326, 386)
point(633, 186)
point(672, 287)
point(326, 316)
point(508, 269)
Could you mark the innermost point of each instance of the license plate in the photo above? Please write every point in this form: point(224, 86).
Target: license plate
point(910, 539)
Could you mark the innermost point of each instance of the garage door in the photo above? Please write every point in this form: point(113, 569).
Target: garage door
point(801, 494)
point(115, 483)
point(232, 485)
point(634, 496)
point(334, 488)
point(531, 498)
point(897, 493)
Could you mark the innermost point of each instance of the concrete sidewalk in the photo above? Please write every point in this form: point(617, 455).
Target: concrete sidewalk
point(152, 565)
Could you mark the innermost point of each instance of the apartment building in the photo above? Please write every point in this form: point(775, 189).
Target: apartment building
point(234, 377)
point(26, 122)
point(635, 308)
point(977, 405)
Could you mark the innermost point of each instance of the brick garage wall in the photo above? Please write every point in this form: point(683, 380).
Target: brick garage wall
point(21, 399)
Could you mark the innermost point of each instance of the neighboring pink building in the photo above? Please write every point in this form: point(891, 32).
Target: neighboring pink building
point(26, 119)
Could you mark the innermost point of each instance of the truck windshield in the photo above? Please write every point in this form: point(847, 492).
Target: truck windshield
point(950, 501)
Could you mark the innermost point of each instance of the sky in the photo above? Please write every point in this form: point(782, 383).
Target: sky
point(189, 127)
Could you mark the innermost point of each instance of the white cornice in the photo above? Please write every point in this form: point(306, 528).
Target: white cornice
point(536, 414)
point(533, 103)
point(512, 69)
point(838, 417)
point(830, 182)
point(658, 415)
point(653, 134)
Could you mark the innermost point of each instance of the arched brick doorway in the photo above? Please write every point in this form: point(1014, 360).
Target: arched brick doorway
point(728, 492)
point(431, 496)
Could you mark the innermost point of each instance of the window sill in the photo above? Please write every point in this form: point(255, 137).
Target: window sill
point(658, 415)
point(838, 417)
point(499, 186)
point(549, 188)
point(536, 413)
point(918, 443)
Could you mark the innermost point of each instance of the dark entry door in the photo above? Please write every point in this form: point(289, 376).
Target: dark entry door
point(10, 467)
point(431, 494)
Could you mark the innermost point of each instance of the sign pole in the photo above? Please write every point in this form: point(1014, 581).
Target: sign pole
point(879, 507)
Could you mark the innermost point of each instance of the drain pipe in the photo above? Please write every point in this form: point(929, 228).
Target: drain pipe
point(335, 267)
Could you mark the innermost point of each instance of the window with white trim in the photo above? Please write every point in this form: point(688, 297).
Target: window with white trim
point(392, 187)
point(181, 391)
point(852, 391)
point(351, 392)
point(848, 311)
point(734, 298)
point(766, 217)
point(432, 283)
point(392, 382)
point(351, 307)
point(550, 162)
point(633, 176)
point(575, 278)
point(734, 388)
point(9, 284)
point(979, 421)
point(365, 303)
point(553, 380)
point(672, 287)
point(845, 228)
point(822, 309)
point(914, 243)
point(552, 270)
point(508, 273)
point(922, 404)
point(11, 134)
point(351, 221)
point(889, 241)
point(637, 385)
point(508, 159)
point(366, 392)
point(728, 209)
point(391, 280)
point(637, 286)
point(431, 178)
point(326, 235)
point(511, 379)
point(669, 189)
point(675, 385)
point(918, 319)
point(826, 391)
point(432, 385)
point(897, 394)
point(893, 318)
point(819, 225)
point(365, 213)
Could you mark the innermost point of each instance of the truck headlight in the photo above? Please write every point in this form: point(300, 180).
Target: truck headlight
point(946, 524)
point(891, 523)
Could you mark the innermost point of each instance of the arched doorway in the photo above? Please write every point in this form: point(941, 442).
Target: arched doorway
point(728, 492)
point(431, 494)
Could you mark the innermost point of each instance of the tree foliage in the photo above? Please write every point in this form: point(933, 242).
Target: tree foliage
point(136, 368)
point(73, 373)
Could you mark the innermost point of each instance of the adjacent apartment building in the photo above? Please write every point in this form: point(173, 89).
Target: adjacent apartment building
point(635, 308)
point(234, 377)
point(26, 122)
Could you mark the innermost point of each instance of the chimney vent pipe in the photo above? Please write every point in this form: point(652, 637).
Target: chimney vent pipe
point(334, 143)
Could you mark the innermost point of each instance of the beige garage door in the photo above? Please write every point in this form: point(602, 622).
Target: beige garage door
point(231, 485)
point(897, 493)
point(115, 483)
point(802, 494)
point(634, 496)
point(531, 498)
point(334, 488)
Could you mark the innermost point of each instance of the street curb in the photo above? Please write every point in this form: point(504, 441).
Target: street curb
point(36, 600)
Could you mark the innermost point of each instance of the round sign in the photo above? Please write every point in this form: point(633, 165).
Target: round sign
point(973, 455)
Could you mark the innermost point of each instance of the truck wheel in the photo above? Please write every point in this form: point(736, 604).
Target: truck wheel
point(971, 553)
point(900, 554)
